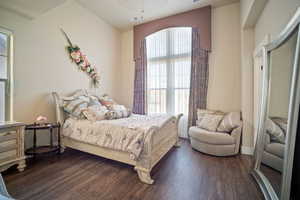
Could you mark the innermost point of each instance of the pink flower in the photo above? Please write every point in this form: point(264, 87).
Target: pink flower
point(75, 55)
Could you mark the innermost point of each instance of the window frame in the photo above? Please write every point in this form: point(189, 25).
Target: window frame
point(168, 58)
point(8, 81)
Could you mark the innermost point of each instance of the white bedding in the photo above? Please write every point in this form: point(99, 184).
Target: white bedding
point(126, 134)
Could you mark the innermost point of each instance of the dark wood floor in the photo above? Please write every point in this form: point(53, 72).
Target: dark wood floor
point(183, 174)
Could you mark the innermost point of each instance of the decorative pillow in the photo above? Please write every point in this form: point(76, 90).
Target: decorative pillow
point(210, 122)
point(202, 112)
point(105, 100)
point(95, 113)
point(281, 122)
point(117, 112)
point(275, 132)
point(230, 121)
point(94, 101)
point(75, 105)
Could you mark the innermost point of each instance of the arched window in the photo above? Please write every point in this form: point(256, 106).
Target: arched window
point(168, 70)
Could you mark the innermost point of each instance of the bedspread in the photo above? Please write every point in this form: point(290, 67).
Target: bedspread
point(126, 134)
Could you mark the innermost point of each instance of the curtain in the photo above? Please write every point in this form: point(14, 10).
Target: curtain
point(199, 78)
point(140, 82)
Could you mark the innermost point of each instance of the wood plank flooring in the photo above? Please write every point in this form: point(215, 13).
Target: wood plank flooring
point(184, 174)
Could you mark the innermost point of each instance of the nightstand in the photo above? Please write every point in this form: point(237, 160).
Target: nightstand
point(12, 145)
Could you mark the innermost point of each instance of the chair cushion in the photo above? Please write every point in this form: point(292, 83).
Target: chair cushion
point(275, 149)
point(218, 138)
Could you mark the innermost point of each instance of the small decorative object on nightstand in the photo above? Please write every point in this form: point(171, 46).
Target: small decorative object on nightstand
point(39, 150)
point(12, 145)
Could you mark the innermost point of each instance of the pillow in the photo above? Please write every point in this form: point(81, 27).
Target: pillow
point(105, 100)
point(95, 113)
point(281, 122)
point(202, 112)
point(75, 105)
point(210, 122)
point(94, 101)
point(275, 132)
point(230, 121)
point(117, 111)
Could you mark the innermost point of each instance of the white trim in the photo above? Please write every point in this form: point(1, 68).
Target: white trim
point(247, 150)
point(258, 50)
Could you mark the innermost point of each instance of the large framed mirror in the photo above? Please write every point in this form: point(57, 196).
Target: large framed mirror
point(274, 149)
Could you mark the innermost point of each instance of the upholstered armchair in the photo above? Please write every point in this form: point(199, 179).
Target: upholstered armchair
point(216, 143)
point(273, 153)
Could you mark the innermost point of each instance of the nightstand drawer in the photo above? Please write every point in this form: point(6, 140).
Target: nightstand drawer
point(8, 155)
point(8, 145)
point(8, 136)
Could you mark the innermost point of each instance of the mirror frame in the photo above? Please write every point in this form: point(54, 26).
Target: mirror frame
point(265, 185)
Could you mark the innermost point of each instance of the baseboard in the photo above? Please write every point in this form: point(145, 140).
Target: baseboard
point(247, 150)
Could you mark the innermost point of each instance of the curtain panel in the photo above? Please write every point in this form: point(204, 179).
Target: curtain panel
point(199, 78)
point(140, 81)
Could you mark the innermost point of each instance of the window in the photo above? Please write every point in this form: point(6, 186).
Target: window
point(168, 70)
point(5, 74)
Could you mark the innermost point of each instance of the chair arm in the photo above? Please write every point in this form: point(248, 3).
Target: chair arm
point(236, 134)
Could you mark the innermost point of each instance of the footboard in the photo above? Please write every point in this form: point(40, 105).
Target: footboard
point(158, 142)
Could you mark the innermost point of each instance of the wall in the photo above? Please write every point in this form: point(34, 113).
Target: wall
point(224, 91)
point(224, 85)
point(275, 16)
point(41, 64)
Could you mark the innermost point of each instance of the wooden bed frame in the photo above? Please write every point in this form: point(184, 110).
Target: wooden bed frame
point(155, 146)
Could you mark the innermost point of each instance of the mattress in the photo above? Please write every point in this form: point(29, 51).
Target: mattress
point(126, 134)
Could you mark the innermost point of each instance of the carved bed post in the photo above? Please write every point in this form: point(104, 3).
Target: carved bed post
point(144, 164)
point(177, 144)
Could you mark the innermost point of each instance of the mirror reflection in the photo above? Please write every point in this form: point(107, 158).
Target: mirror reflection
point(281, 65)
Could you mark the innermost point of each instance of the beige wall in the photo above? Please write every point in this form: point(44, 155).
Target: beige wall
point(224, 79)
point(274, 17)
point(126, 79)
point(224, 91)
point(41, 63)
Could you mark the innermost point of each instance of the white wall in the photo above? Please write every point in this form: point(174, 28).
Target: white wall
point(42, 65)
point(224, 76)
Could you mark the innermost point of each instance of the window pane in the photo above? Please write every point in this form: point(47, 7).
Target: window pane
point(2, 101)
point(182, 71)
point(157, 44)
point(157, 101)
point(157, 75)
point(3, 67)
point(182, 101)
point(181, 40)
point(3, 44)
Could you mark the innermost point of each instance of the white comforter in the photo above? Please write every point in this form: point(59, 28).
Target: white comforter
point(126, 134)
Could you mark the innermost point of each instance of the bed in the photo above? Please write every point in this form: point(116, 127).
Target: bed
point(160, 134)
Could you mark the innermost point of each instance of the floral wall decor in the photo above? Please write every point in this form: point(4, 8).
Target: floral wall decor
point(81, 61)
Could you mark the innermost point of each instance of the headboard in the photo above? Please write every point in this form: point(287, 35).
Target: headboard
point(58, 100)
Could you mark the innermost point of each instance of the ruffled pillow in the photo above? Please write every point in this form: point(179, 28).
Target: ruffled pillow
point(74, 106)
point(95, 113)
point(117, 112)
point(107, 101)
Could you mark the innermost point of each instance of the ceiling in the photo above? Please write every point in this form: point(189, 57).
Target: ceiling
point(30, 8)
point(119, 13)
